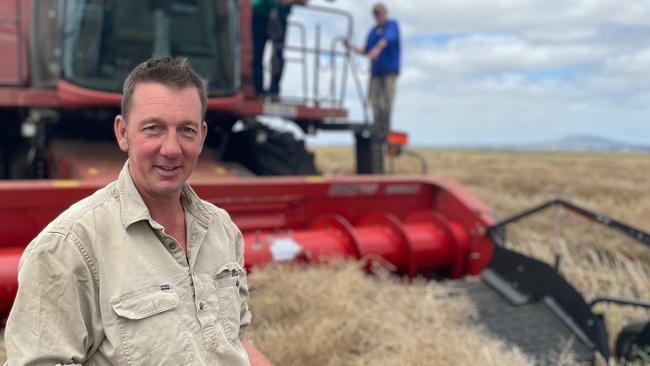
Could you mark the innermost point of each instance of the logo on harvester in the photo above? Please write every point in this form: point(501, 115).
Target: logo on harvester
point(402, 189)
point(353, 190)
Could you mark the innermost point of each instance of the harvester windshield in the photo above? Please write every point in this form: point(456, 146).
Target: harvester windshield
point(105, 39)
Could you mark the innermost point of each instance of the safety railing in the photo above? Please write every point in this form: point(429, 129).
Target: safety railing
point(340, 62)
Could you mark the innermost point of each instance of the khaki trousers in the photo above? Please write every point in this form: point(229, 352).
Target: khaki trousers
point(381, 93)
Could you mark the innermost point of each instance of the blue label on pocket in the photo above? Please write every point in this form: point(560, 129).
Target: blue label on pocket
point(165, 287)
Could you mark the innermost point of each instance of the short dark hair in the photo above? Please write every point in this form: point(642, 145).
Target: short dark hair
point(174, 72)
point(379, 8)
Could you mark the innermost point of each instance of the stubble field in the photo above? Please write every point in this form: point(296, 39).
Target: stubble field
point(325, 316)
point(335, 315)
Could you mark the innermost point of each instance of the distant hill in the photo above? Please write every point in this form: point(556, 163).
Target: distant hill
point(569, 143)
point(587, 143)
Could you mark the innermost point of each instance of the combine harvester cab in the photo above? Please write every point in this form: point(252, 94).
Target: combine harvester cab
point(63, 65)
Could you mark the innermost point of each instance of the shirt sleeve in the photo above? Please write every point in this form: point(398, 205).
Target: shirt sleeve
point(245, 314)
point(51, 321)
point(391, 33)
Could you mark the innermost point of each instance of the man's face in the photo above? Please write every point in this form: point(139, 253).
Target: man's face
point(163, 135)
point(380, 17)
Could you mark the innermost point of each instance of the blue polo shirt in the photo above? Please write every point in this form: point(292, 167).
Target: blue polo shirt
point(388, 61)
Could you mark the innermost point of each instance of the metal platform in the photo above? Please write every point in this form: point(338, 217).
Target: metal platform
point(535, 327)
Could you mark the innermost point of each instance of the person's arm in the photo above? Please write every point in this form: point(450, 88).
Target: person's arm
point(354, 48)
point(52, 319)
point(245, 315)
point(390, 36)
point(374, 53)
point(292, 2)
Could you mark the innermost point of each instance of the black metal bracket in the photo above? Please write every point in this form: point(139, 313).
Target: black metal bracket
point(538, 280)
point(630, 231)
point(620, 301)
point(369, 152)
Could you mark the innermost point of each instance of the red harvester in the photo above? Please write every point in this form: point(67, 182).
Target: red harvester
point(61, 73)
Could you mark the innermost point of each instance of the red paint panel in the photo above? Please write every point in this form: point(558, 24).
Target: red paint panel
point(28, 97)
point(14, 33)
point(9, 258)
point(420, 225)
point(255, 357)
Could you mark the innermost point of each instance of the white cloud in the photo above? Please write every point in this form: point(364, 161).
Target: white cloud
point(512, 70)
point(487, 52)
point(636, 63)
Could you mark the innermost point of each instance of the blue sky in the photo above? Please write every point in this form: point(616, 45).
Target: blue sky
point(508, 71)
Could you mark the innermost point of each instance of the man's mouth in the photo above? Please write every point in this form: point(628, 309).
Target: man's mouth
point(168, 168)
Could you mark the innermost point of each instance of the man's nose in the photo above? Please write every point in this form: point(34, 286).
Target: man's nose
point(171, 147)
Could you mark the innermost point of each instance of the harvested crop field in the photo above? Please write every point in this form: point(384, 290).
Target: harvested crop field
point(329, 328)
point(334, 315)
point(337, 315)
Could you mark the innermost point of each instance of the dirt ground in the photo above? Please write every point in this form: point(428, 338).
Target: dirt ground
point(337, 316)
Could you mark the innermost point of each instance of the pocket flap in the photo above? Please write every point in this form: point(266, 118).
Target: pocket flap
point(146, 302)
point(228, 274)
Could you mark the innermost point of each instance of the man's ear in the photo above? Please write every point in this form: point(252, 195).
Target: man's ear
point(120, 133)
point(204, 131)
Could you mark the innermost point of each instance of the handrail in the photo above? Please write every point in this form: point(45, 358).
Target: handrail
point(360, 93)
point(303, 60)
point(317, 65)
point(335, 98)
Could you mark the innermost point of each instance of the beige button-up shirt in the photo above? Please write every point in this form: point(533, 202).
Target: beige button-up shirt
point(103, 284)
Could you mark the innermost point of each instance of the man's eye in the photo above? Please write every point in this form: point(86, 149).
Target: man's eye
point(152, 129)
point(188, 131)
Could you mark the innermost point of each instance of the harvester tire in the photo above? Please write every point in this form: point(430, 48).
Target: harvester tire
point(626, 347)
point(269, 152)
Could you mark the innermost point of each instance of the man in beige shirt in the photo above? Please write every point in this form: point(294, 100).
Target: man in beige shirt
point(142, 272)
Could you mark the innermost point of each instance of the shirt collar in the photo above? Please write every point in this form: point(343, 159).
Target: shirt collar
point(133, 208)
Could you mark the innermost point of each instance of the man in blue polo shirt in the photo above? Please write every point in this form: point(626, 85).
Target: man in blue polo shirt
point(383, 50)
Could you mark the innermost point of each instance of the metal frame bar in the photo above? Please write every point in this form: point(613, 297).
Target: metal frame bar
point(630, 231)
point(302, 60)
point(349, 64)
point(620, 301)
point(495, 233)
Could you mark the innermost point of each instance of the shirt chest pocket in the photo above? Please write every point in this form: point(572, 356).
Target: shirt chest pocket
point(227, 281)
point(148, 327)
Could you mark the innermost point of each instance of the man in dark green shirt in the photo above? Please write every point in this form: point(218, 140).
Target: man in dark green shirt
point(270, 23)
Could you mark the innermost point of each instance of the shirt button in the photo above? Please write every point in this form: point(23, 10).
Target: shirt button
point(171, 245)
point(202, 306)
